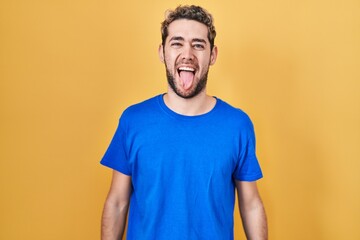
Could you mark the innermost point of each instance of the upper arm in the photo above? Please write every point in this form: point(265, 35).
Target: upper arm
point(252, 211)
point(120, 189)
point(248, 193)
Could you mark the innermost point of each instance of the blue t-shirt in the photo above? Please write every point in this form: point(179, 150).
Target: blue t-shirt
point(183, 169)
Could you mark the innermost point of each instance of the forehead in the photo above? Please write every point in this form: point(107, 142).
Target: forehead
point(188, 29)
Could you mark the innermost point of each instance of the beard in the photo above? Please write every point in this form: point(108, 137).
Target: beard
point(194, 91)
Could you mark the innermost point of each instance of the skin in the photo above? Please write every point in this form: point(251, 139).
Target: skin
point(116, 207)
point(252, 211)
point(186, 45)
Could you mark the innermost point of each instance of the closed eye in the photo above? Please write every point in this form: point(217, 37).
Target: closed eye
point(199, 43)
point(199, 46)
point(176, 44)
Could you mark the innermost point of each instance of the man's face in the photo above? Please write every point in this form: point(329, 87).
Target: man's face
point(187, 57)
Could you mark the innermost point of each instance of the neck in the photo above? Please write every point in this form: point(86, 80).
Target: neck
point(200, 104)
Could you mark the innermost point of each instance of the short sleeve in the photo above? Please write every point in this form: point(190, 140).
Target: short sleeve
point(116, 155)
point(247, 166)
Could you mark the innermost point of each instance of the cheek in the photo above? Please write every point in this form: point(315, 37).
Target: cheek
point(205, 65)
point(204, 60)
point(170, 62)
point(168, 59)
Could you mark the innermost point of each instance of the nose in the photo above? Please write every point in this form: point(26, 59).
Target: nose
point(187, 53)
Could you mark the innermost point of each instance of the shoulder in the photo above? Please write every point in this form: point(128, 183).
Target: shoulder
point(233, 114)
point(141, 111)
point(141, 108)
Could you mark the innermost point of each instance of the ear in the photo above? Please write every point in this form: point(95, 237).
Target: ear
point(213, 55)
point(161, 53)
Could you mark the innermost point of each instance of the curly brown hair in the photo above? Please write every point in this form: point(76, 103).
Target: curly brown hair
point(192, 12)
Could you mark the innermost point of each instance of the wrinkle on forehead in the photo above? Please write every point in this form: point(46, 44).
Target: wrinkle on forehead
point(188, 29)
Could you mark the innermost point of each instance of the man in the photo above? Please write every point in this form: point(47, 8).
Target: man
point(179, 156)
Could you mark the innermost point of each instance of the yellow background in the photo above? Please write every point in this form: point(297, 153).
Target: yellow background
point(69, 68)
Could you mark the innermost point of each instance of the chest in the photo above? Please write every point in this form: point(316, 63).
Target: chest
point(180, 150)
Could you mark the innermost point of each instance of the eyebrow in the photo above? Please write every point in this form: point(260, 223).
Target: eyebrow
point(178, 38)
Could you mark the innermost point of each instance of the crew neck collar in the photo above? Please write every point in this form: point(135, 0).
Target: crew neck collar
point(181, 116)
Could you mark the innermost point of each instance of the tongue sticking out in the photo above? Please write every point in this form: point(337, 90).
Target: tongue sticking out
point(186, 79)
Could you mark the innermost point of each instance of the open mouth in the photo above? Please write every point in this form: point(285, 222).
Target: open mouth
point(186, 69)
point(187, 75)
